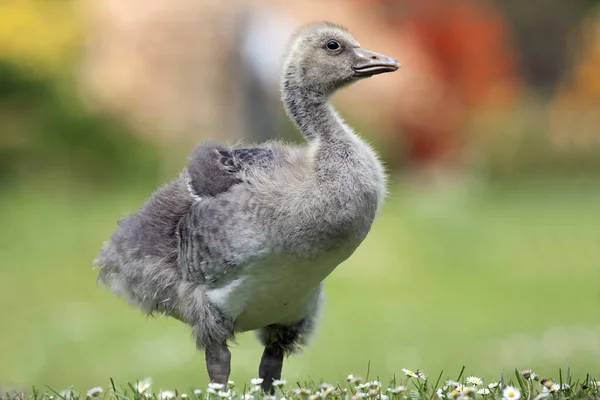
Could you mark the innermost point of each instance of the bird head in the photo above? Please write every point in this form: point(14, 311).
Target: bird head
point(323, 57)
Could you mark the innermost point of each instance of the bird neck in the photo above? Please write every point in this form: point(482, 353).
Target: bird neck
point(311, 111)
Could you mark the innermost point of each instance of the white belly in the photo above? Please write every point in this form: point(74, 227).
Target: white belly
point(280, 290)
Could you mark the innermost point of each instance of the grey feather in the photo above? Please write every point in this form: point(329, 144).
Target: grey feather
point(243, 159)
point(243, 238)
point(214, 168)
point(208, 175)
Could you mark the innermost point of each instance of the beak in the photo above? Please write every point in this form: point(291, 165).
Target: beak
point(369, 63)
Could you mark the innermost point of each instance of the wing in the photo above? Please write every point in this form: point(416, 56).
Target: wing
point(196, 252)
point(214, 168)
point(238, 160)
point(209, 232)
point(215, 240)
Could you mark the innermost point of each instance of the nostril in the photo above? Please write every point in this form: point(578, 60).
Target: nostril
point(374, 58)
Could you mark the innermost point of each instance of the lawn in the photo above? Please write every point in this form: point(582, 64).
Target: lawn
point(494, 278)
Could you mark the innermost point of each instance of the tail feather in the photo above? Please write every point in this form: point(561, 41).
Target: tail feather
point(140, 264)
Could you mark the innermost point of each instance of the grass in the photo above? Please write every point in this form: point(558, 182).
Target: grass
point(495, 279)
point(412, 385)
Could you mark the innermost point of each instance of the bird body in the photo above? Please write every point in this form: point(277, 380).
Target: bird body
point(243, 238)
point(299, 226)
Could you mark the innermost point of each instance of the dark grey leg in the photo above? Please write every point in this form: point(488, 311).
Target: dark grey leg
point(218, 363)
point(283, 340)
point(270, 367)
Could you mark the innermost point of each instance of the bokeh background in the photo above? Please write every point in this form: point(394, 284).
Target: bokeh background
point(486, 253)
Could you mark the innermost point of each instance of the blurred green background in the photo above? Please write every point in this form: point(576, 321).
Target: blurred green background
point(486, 253)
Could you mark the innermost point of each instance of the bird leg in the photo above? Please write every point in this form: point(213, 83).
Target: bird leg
point(283, 340)
point(218, 363)
point(270, 367)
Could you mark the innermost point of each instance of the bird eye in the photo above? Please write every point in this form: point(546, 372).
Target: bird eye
point(333, 45)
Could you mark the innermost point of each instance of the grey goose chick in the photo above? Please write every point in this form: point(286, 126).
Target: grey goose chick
point(243, 239)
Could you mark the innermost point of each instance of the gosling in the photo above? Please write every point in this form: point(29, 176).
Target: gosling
point(243, 238)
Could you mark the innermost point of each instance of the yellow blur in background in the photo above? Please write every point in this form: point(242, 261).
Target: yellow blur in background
point(486, 253)
point(40, 36)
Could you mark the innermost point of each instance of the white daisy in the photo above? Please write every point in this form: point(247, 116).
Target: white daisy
point(302, 391)
point(493, 385)
point(547, 383)
point(439, 393)
point(466, 390)
point(183, 396)
point(421, 374)
point(198, 392)
point(511, 393)
point(248, 396)
point(68, 394)
point(231, 384)
point(327, 390)
point(216, 386)
point(256, 381)
point(95, 391)
point(555, 387)
point(255, 389)
point(410, 373)
point(279, 382)
point(354, 379)
point(165, 394)
point(314, 396)
point(144, 385)
point(483, 391)
point(225, 395)
point(148, 395)
point(474, 380)
point(211, 390)
point(452, 383)
point(528, 374)
point(383, 397)
point(373, 384)
point(453, 394)
point(269, 398)
point(397, 390)
point(550, 386)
